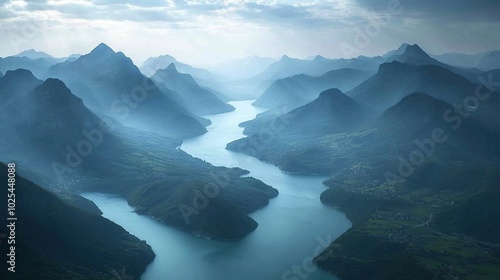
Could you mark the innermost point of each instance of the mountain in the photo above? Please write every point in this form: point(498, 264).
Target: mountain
point(36, 62)
point(490, 61)
point(460, 59)
point(32, 54)
point(206, 79)
point(411, 157)
point(288, 135)
point(38, 67)
point(286, 66)
point(395, 80)
point(16, 83)
point(411, 182)
point(331, 112)
point(153, 64)
point(44, 122)
point(57, 241)
point(190, 95)
point(109, 83)
point(412, 54)
point(392, 134)
point(301, 89)
point(418, 113)
point(50, 131)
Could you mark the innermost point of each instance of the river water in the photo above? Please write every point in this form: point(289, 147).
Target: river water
point(293, 228)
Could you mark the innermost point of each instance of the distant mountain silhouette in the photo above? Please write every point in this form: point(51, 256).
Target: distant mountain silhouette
point(16, 83)
point(461, 59)
point(33, 54)
point(301, 89)
point(110, 83)
point(490, 61)
point(203, 77)
point(153, 64)
point(37, 62)
point(190, 95)
point(286, 66)
point(413, 54)
point(38, 67)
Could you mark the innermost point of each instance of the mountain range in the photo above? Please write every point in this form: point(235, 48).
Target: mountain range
point(413, 159)
point(109, 83)
point(49, 130)
point(300, 89)
point(395, 80)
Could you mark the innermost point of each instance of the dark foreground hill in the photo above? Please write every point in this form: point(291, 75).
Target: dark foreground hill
point(57, 241)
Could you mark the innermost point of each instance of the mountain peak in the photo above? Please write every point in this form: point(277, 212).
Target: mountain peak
point(336, 97)
point(33, 54)
point(412, 54)
point(19, 74)
point(171, 67)
point(416, 105)
point(415, 49)
point(54, 82)
point(319, 58)
point(285, 57)
point(401, 49)
point(54, 86)
point(102, 49)
point(330, 93)
point(167, 57)
point(419, 97)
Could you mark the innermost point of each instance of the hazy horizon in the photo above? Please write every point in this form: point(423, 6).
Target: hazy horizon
point(205, 33)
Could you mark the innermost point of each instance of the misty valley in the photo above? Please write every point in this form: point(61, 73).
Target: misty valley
point(372, 167)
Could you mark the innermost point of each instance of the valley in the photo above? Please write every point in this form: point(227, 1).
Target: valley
point(290, 228)
point(382, 167)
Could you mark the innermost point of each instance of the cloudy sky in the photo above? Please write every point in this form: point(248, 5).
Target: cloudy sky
point(203, 31)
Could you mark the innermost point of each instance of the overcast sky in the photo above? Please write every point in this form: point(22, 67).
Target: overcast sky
point(203, 32)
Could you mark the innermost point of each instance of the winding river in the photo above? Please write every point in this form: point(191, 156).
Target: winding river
point(293, 228)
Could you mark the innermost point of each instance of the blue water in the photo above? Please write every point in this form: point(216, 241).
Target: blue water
point(293, 228)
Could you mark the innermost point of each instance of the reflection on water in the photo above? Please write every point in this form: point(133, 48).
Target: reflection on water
point(293, 228)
